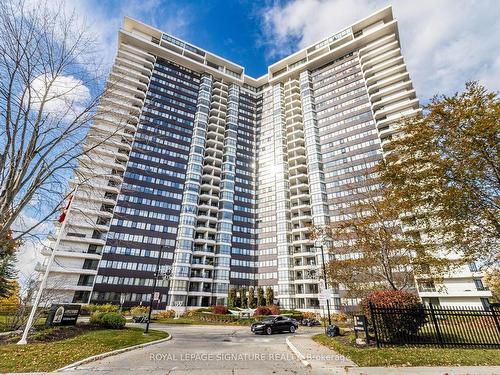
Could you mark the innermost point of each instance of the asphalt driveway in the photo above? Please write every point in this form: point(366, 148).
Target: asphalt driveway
point(206, 350)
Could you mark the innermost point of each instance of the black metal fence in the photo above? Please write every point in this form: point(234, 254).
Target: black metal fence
point(436, 326)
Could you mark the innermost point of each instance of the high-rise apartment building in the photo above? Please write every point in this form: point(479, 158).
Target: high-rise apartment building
point(224, 174)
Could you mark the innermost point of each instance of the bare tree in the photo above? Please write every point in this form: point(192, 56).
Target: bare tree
point(50, 86)
point(28, 290)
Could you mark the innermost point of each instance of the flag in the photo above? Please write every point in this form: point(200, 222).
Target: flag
point(63, 214)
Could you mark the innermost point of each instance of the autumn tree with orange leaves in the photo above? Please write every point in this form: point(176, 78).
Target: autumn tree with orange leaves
point(445, 168)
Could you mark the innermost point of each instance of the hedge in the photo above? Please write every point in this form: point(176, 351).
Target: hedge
point(215, 318)
point(111, 320)
point(91, 308)
point(407, 323)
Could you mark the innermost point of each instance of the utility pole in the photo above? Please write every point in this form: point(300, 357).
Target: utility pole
point(326, 284)
point(155, 280)
point(24, 338)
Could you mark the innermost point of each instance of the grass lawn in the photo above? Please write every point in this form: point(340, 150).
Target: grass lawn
point(5, 321)
point(49, 356)
point(409, 356)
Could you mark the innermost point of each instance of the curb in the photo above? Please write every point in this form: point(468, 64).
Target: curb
point(295, 351)
point(114, 352)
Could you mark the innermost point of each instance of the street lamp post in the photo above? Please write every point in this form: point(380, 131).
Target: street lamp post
point(326, 284)
point(155, 280)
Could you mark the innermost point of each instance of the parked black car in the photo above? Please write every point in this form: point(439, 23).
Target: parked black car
point(275, 323)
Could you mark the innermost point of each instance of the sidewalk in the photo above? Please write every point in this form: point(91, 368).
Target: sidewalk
point(462, 370)
point(321, 359)
point(326, 361)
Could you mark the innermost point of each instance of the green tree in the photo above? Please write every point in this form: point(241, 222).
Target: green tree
point(445, 164)
point(260, 296)
point(251, 297)
point(14, 295)
point(243, 297)
point(7, 261)
point(231, 298)
point(269, 296)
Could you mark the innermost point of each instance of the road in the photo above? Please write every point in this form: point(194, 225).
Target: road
point(206, 350)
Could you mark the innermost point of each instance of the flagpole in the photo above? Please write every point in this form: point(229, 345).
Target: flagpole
point(23, 340)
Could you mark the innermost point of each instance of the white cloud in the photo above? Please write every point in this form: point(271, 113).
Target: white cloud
point(445, 43)
point(27, 256)
point(29, 253)
point(104, 22)
point(61, 96)
point(103, 19)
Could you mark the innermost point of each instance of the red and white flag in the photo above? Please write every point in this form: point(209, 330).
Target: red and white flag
point(63, 214)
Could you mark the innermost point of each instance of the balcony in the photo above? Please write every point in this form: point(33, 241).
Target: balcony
point(300, 206)
point(206, 227)
point(200, 262)
point(40, 267)
point(204, 249)
point(196, 274)
point(107, 208)
point(202, 237)
point(301, 216)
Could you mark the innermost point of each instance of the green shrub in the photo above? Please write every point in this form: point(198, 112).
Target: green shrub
point(260, 296)
point(203, 309)
point(191, 313)
point(231, 298)
point(295, 314)
point(112, 320)
point(107, 320)
point(89, 309)
point(396, 324)
point(243, 298)
point(214, 318)
point(269, 296)
point(96, 318)
point(251, 298)
point(166, 314)
point(107, 307)
point(139, 310)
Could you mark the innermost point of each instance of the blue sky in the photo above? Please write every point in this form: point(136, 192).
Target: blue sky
point(235, 34)
point(231, 29)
